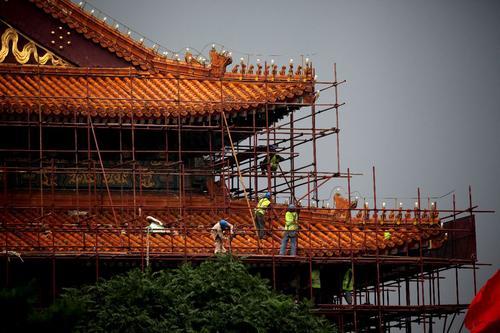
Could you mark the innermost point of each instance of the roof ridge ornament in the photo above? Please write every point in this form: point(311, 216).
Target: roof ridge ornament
point(272, 71)
point(219, 61)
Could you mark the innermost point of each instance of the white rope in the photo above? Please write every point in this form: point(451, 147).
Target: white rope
point(13, 253)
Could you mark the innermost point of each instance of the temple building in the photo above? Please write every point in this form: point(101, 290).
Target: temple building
point(103, 131)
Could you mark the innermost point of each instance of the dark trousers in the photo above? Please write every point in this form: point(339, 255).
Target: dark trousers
point(259, 222)
point(348, 296)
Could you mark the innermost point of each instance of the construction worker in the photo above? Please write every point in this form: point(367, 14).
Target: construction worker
point(347, 286)
point(218, 236)
point(262, 206)
point(290, 232)
point(316, 286)
point(273, 160)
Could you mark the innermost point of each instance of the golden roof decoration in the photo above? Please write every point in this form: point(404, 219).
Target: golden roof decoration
point(10, 37)
point(148, 55)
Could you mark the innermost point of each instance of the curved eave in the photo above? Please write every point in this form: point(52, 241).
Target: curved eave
point(106, 92)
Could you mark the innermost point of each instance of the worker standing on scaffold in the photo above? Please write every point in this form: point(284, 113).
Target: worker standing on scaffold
point(260, 211)
point(347, 286)
point(290, 231)
point(273, 160)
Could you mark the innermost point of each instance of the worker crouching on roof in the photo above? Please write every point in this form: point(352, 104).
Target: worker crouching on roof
point(218, 236)
point(291, 230)
point(260, 212)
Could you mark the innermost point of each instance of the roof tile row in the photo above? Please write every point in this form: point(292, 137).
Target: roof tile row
point(322, 233)
point(110, 93)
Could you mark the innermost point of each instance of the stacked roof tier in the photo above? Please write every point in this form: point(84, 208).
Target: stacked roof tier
point(127, 93)
point(323, 232)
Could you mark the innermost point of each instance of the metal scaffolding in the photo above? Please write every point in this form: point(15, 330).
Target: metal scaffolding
point(124, 167)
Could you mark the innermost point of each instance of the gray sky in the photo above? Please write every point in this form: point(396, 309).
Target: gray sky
point(422, 92)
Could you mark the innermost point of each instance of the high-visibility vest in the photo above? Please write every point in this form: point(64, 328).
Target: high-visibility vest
point(347, 284)
point(315, 279)
point(262, 206)
point(291, 221)
point(274, 163)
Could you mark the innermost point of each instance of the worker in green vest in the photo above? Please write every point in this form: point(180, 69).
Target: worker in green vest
point(290, 232)
point(316, 286)
point(273, 160)
point(260, 211)
point(347, 286)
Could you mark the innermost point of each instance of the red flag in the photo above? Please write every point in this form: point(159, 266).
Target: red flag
point(483, 315)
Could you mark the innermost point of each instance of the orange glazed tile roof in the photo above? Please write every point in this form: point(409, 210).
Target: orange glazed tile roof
point(116, 92)
point(155, 87)
point(322, 234)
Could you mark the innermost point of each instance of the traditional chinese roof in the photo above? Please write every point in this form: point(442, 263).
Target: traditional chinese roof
point(147, 82)
point(323, 233)
point(97, 31)
point(113, 93)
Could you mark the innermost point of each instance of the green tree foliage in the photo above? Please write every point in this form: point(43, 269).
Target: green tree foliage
point(219, 295)
point(16, 305)
point(20, 311)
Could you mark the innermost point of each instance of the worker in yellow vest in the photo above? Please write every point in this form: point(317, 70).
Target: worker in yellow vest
point(273, 160)
point(316, 286)
point(290, 232)
point(260, 212)
point(347, 286)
